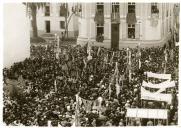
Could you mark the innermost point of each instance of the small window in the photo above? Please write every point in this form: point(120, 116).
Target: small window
point(62, 24)
point(47, 10)
point(131, 31)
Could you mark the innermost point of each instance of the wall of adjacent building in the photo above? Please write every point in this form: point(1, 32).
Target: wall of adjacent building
point(16, 32)
point(55, 19)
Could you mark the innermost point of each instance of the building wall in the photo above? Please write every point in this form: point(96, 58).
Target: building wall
point(16, 44)
point(145, 32)
point(55, 19)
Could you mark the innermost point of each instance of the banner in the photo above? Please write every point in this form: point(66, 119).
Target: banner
point(159, 76)
point(146, 95)
point(166, 84)
point(147, 113)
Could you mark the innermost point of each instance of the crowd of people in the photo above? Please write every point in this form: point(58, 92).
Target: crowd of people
point(52, 78)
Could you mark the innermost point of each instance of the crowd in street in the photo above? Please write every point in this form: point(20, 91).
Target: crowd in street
point(53, 77)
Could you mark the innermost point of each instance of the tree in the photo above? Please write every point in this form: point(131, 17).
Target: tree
point(31, 9)
point(75, 11)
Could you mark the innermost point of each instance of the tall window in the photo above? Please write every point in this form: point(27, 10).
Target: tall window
point(131, 7)
point(154, 8)
point(62, 24)
point(131, 20)
point(100, 32)
point(47, 10)
point(131, 31)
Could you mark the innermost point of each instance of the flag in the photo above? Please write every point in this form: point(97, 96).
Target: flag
point(89, 56)
point(55, 84)
point(110, 90)
point(171, 54)
point(111, 60)
point(129, 63)
point(77, 121)
point(98, 51)
point(117, 89)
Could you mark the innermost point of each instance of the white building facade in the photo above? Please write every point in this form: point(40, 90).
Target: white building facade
point(16, 46)
point(50, 20)
point(118, 25)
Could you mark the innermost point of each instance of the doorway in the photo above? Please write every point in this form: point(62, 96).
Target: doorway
point(115, 36)
point(47, 26)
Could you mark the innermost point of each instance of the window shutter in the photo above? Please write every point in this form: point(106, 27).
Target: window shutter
point(124, 30)
point(137, 31)
point(43, 11)
point(93, 9)
point(125, 9)
point(51, 10)
point(107, 9)
point(106, 30)
point(121, 8)
point(83, 9)
point(58, 10)
point(93, 28)
point(149, 10)
point(138, 7)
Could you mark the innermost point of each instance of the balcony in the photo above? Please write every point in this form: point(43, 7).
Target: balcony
point(99, 18)
point(115, 17)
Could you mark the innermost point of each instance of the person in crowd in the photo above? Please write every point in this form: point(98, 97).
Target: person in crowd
point(51, 83)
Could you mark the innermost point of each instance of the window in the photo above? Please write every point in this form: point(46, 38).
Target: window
point(154, 8)
point(131, 31)
point(100, 32)
point(47, 10)
point(131, 7)
point(47, 26)
point(62, 24)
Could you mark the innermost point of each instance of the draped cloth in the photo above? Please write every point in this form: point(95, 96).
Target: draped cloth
point(146, 95)
point(159, 76)
point(166, 84)
point(131, 18)
point(99, 18)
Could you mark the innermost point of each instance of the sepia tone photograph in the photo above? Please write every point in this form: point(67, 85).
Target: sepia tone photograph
point(96, 64)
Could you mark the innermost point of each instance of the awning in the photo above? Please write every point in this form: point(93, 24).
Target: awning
point(131, 18)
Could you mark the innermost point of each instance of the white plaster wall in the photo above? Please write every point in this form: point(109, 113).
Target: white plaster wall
point(152, 33)
point(54, 18)
point(16, 34)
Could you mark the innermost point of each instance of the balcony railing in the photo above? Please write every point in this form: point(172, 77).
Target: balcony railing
point(115, 17)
